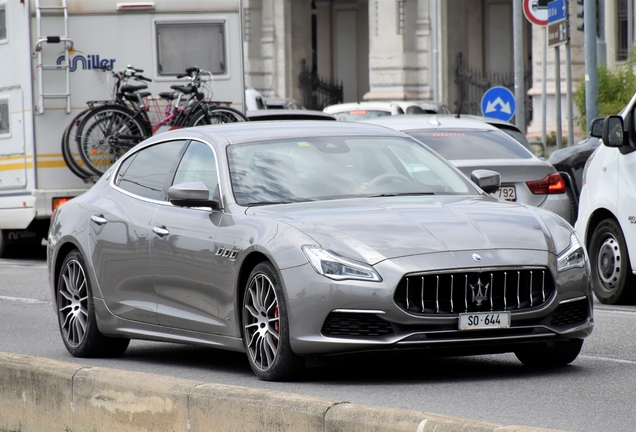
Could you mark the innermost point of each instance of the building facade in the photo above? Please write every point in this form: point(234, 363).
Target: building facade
point(449, 51)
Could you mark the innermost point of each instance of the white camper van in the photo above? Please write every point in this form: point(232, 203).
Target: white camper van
point(48, 53)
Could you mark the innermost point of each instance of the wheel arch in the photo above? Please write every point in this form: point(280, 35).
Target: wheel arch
point(248, 264)
point(62, 253)
point(595, 219)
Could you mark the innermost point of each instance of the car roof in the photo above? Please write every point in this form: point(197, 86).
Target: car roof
point(429, 121)
point(287, 114)
point(242, 132)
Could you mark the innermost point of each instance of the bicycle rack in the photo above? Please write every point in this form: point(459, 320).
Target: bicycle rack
point(55, 10)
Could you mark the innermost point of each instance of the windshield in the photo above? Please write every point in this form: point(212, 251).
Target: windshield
point(472, 144)
point(308, 169)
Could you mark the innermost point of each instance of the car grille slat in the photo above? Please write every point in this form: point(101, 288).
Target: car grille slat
point(483, 291)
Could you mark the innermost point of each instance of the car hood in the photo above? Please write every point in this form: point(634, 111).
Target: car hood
point(375, 229)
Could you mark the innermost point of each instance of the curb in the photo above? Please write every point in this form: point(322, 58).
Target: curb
point(38, 394)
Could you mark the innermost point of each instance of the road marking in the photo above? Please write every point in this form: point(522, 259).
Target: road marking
point(609, 359)
point(615, 311)
point(21, 264)
point(24, 300)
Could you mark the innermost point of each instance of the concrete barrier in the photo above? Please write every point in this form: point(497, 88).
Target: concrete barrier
point(46, 395)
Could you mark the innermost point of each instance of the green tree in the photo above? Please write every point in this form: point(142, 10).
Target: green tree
point(615, 90)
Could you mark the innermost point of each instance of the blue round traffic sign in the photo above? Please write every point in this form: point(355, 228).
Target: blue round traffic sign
point(499, 103)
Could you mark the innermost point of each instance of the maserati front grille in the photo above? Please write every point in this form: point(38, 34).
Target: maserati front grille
point(474, 291)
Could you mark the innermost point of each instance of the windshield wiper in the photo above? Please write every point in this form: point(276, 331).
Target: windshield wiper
point(260, 203)
point(402, 194)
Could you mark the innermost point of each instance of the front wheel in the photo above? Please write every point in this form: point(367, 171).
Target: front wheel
point(76, 313)
point(215, 115)
point(266, 327)
point(612, 279)
point(550, 354)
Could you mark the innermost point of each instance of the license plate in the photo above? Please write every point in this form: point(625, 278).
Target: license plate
point(508, 193)
point(484, 320)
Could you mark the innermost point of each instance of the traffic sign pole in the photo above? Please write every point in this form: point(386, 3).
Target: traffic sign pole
point(568, 79)
point(520, 97)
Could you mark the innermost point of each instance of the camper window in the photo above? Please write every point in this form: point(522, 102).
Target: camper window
point(183, 45)
point(5, 124)
point(3, 22)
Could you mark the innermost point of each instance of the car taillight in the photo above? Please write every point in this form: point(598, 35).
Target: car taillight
point(552, 184)
point(58, 201)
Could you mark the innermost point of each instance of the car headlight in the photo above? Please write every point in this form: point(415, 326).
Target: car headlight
point(337, 267)
point(573, 256)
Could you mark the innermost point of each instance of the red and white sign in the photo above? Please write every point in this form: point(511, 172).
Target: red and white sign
point(536, 11)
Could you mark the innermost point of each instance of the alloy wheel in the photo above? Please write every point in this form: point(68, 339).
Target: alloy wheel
point(262, 322)
point(72, 301)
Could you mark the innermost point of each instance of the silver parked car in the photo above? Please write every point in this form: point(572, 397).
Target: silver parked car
point(471, 144)
point(290, 239)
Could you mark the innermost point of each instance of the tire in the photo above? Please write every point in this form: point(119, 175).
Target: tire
point(612, 279)
point(106, 133)
point(574, 206)
point(215, 115)
point(266, 327)
point(3, 244)
point(70, 150)
point(76, 313)
point(550, 354)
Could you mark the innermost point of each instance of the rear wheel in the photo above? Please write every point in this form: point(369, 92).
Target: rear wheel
point(550, 354)
point(266, 327)
point(76, 313)
point(216, 115)
point(612, 279)
point(70, 150)
point(106, 133)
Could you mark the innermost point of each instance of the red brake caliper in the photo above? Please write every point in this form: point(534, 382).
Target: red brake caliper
point(277, 325)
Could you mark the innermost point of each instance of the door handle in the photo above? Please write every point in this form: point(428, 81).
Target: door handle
point(161, 232)
point(99, 220)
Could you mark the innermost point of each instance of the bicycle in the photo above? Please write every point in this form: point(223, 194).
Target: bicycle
point(70, 148)
point(111, 130)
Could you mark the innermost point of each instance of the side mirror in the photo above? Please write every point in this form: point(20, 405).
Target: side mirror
point(596, 128)
point(489, 181)
point(613, 135)
point(195, 194)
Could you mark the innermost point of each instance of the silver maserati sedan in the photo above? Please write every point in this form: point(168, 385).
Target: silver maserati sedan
point(289, 239)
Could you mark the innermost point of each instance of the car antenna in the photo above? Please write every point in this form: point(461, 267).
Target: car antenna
point(461, 103)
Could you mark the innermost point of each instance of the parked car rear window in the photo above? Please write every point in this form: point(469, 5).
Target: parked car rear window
point(361, 114)
point(472, 144)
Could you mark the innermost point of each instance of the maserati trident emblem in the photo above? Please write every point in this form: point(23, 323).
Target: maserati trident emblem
point(476, 257)
point(479, 291)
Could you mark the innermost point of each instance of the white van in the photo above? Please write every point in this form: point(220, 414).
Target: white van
point(48, 53)
point(607, 210)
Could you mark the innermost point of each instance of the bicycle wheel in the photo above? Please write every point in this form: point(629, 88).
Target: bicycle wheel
point(70, 151)
point(106, 133)
point(215, 115)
